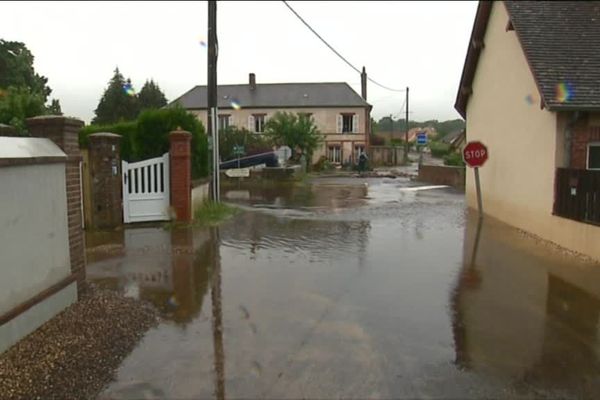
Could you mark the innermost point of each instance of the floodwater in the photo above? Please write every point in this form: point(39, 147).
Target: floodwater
point(351, 288)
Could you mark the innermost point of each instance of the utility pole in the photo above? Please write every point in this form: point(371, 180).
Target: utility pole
point(213, 131)
point(392, 136)
point(406, 133)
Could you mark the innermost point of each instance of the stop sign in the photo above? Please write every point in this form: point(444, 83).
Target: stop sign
point(475, 154)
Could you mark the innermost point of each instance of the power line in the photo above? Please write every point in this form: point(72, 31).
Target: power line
point(336, 52)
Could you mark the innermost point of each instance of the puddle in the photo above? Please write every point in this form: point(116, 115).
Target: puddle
point(353, 290)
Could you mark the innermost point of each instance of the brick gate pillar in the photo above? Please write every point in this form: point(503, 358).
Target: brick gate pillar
point(181, 174)
point(64, 132)
point(106, 187)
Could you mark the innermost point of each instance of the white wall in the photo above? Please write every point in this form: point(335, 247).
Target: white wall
point(34, 243)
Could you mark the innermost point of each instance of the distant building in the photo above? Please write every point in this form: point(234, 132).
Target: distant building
point(530, 91)
point(340, 113)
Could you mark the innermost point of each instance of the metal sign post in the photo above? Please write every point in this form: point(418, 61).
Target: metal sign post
point(421, 141)
point(475, 155)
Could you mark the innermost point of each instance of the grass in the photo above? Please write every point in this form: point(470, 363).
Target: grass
point(211, 213)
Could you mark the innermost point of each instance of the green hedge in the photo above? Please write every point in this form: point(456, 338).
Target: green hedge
point(148, 136)
point(454, 159)
point(126, 129)
point(439, 149)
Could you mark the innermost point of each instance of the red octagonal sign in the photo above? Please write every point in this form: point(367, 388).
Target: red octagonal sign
point(475, 154)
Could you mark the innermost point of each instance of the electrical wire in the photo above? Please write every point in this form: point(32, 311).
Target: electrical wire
point(336, 52)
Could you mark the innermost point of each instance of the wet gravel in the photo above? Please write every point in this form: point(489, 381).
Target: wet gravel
point(76, 353)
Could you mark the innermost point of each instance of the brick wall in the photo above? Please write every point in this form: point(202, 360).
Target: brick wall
point(181, 174)
point(65, 133)
point(105, 173)
point(582, 135)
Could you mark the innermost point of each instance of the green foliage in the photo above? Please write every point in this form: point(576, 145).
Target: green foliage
point(151, 96)
point(443, 128)
point(127, 130)
point(116, 105)
point(23, 92)
point(16, 69)
point(297, 131)
point(211, 213)
point(439, 149)
point(17, 104)
point(54, 108)
point(152, 137)
point(323, 164)
point(148, 136)
point(454, 159)
point(233, 136)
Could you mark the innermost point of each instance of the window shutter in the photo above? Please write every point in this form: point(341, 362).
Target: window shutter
point(251, 123)
point(340, 123)
point(230, 122)
point(355, 123)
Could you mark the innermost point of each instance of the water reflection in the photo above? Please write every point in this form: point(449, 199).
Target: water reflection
point(172, 269)
point(526, 314)
point(294, 195)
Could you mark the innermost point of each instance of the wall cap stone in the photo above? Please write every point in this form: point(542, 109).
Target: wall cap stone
point(104, 135)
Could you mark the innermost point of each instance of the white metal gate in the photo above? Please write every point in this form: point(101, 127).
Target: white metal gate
point(146, 190)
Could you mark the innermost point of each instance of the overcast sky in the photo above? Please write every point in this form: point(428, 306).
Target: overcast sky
point(77, 45)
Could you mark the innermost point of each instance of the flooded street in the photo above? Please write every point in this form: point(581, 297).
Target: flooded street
point(353, 288)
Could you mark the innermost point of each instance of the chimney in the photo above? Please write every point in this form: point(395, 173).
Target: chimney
point(252, 81)
point(363, 84)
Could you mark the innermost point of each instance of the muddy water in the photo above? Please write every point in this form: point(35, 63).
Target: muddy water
point(353, 288)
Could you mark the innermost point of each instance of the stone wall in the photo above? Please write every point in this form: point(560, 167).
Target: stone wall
point(442, 175)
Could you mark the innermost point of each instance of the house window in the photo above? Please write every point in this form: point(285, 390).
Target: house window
point(334, 154)
point(224, 121)
point(259, 123)
point(593, 159)
point(347, 123)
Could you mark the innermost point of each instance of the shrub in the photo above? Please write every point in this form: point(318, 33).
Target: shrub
point(152, 136)
point(127, 130)
point(148, 136)
point(439, 149)
point(454, 159)
point(323, 164)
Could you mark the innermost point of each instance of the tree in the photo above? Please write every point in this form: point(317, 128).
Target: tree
point(54, 108)
point(16, 69)
point(18, 104)
point(297, 131)
point(151, 96)
point(118, 103)
point(23, 92)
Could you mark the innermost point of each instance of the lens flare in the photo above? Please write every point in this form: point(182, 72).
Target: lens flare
point(529, 99)
point(128, 89)
point(564, 92)
point(203, 43)
point(235, 104)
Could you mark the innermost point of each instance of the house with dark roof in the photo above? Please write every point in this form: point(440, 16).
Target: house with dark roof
point(341, 114)
point(530, 91)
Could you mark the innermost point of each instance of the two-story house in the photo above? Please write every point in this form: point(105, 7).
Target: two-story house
point(341, 114)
